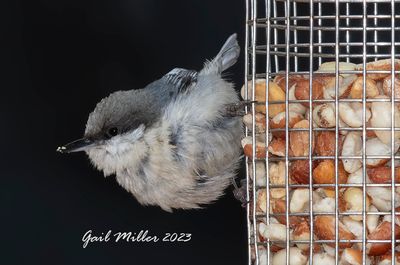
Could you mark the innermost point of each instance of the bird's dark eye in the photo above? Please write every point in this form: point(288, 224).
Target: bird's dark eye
point(112, 132)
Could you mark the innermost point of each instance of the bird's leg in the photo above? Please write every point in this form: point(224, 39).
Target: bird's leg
point(240, 192)
point(237, 109)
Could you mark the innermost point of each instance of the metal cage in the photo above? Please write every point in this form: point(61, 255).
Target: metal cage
point(289, 38)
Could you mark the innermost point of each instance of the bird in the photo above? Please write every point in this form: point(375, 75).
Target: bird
point(174, 143)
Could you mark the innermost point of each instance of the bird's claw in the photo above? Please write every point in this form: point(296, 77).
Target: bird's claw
point(237, 109)
point(240, 192)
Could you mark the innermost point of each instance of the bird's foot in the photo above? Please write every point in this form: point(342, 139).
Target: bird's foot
point(237, 109)
point(240, 192)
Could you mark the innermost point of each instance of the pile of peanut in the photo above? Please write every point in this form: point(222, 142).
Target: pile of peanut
point(347, 134)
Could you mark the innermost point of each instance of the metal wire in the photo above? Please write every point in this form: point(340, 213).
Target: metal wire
point(250, 234)
point(299, 36)
point(287, 70)
point(392, 57)
point(267, 71)
point(337, 131)
point(364, 133)
point(253, 109)
point(310, 133)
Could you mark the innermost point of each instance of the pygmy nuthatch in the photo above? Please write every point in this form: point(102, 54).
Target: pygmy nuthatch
point(174, 143)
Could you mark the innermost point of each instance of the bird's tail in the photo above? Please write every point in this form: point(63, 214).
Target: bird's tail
point(226, 57)
point(229, 53)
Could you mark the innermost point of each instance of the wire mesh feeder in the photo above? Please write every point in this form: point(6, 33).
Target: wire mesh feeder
point(322, 162)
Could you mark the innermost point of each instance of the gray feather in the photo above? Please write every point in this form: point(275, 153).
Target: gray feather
point(229, 53)
point(181, 78)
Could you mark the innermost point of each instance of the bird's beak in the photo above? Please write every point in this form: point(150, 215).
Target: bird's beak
point(76, 146)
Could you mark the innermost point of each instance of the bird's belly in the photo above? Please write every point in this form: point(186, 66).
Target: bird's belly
point(193, 172)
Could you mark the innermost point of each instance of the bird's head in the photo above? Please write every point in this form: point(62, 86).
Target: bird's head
point(118, 122)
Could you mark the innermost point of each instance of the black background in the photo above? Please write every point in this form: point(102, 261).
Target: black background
point(61, 57)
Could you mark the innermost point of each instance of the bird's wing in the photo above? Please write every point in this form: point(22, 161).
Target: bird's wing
point(181, 78)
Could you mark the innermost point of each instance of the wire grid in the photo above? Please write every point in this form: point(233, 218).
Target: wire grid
point(295, 37)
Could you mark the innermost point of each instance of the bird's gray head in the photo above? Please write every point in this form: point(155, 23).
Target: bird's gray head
point(118, 122)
